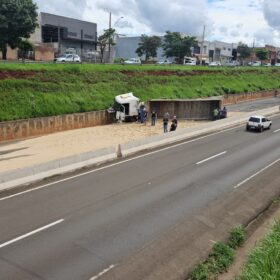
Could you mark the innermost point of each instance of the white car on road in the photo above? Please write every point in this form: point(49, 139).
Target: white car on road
point(68, 58)
point(258, 123)
point(136, 61)
point(164, 62)
point(215, 63)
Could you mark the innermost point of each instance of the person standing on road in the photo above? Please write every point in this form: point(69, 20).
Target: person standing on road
point(215, 114)
point(165, 123)
point(173, 126)
point(175, 121)
point(153, 117)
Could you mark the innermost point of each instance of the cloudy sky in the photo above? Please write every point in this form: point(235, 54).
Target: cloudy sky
point(226, 20)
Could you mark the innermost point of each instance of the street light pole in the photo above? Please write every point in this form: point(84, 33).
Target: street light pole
point(202, 45)
point(110, 26)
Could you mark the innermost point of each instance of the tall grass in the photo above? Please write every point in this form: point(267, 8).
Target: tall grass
point(264, 261)
point(52, 89)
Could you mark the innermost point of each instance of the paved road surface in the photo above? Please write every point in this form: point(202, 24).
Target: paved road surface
point(255, 105)
point(77, 228)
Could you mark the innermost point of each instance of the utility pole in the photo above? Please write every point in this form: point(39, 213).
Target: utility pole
point(253, 55)
point(82, 43)
point(110, 26)
point(202, 43)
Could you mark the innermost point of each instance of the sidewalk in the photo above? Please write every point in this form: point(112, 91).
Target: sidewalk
point(30, 160)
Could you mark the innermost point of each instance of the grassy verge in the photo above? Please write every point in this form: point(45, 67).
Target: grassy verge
point(39, 90)
point(221, 257)
point(264, 261)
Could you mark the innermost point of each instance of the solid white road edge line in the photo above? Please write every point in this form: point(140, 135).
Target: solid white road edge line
point(103, 272)
point(207, 159)
point(257, 173)
point(115, 164)
point(31, 233)
point(276, 130)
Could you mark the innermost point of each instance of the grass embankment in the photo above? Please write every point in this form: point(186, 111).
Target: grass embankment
point(43, 90)
point(264, 261)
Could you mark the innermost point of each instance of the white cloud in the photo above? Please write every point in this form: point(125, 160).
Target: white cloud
point(271, 10)
point(227, 20)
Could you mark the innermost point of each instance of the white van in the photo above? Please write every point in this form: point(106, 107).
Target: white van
point(189, 61)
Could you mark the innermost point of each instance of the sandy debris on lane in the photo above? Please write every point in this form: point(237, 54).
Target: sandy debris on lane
point(64, 144)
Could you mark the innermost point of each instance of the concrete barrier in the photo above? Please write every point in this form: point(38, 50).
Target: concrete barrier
point(20, 129)
point(34, 173)
point(242, 97)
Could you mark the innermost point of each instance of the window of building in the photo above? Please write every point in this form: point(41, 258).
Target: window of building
point(88, 36)
point(72, 34)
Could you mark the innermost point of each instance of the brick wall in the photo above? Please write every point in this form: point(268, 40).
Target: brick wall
point(20, 129)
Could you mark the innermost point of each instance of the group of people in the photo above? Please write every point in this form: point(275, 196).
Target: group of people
point(219, 113)
point(174, 123)
point(143, 115)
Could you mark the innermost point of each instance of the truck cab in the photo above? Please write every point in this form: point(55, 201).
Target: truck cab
point(126, 107)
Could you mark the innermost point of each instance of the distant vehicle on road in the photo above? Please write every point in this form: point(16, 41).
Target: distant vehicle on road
point(190, 61)
point(277, 64)
point(232, 63)
point(164, 62)
point(68, 58)
point(267, 64)
point(258, 123)
point(136, 61)
point(215, 63)
point(255, 63)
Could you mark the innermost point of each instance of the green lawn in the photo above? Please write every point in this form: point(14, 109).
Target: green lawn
point(34, 90)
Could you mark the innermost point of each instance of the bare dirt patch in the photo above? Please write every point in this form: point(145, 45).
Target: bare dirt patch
point(166, 73)
point(12, 74)
point(183, 73)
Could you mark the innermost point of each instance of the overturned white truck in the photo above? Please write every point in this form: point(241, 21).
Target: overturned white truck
point(126, 107)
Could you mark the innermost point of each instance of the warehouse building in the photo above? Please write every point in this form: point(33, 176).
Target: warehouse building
point(66, 34)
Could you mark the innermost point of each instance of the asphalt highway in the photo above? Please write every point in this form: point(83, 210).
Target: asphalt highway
point(83, 227)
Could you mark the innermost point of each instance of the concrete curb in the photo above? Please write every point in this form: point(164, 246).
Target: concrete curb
point(35, 173)
point(38, 172)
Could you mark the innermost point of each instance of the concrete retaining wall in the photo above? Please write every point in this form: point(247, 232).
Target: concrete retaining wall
point(240, 97)
point(13, 130)
point(186, 109)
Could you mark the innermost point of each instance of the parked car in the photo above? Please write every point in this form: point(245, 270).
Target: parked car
point(232, 63)
point(191, 63)
point(256, 63)
point(277, 64)
point(215, 63)
point(267, 64)
point(133, 61)
point(164, 62)
point(258, 123)
point(68, 58)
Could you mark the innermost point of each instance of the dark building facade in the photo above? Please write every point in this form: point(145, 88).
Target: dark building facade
point(67, 34)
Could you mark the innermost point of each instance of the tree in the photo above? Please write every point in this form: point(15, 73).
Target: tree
point(106, 39)
point(18, 19)
point(148, 46)
point(25, 46)
point(244, 51)
point(261, 54)
point(177, 45)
